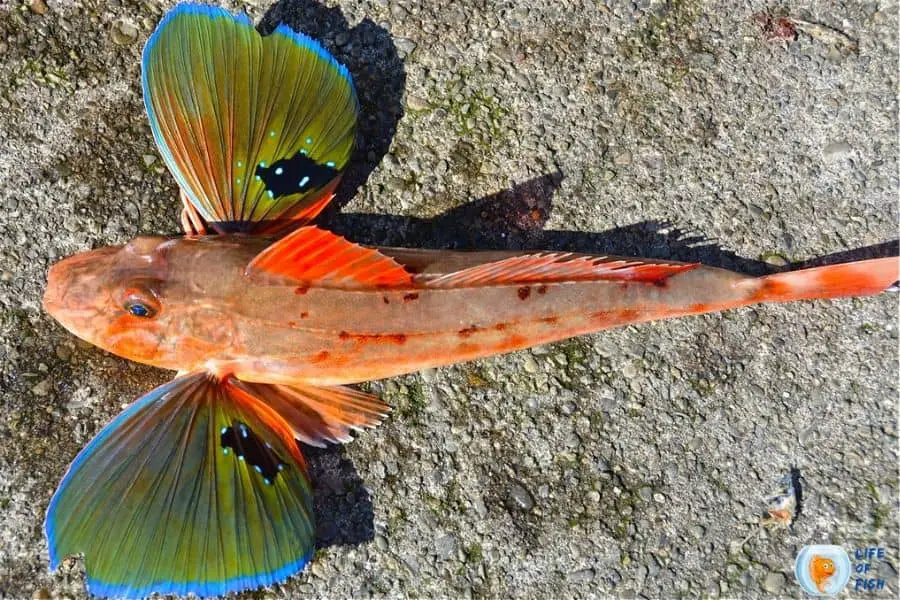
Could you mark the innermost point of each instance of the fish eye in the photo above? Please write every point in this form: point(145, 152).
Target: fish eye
point(140, 301)
point(139, 309)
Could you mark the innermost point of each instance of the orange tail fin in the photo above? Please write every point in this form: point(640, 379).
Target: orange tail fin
point(861, 278)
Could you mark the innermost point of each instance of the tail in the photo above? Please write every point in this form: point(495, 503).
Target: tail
point(200, 488)
point(861, 278)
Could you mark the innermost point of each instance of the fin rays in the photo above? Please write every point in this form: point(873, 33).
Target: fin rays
point(225, 102)
point(215, 520)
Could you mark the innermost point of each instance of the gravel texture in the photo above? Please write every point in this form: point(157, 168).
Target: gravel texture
point(629, 463)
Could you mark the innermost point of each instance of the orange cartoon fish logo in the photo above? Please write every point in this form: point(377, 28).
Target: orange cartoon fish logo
point(820, 571)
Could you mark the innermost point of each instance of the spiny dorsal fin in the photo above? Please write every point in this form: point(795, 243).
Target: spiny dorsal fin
point(558, 268)
point(320, 258)
point(256, 130)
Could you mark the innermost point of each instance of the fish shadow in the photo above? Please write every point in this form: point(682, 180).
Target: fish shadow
point(369, 53)
point(343, 507)
point(514, 219)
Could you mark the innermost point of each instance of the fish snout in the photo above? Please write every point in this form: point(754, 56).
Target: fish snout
point(76, 283)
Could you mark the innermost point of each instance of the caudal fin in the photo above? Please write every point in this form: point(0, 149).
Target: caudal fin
point(861, 278)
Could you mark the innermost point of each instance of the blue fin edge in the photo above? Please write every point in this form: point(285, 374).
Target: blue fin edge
point(215, 12)
point(199, 588)
point(49, 525)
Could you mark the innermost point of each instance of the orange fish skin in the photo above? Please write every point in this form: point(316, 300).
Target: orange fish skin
point(209, 314)
point(820, 570)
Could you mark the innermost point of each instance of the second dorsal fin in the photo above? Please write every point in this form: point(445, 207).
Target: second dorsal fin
point(559, 267)
point(320, 258)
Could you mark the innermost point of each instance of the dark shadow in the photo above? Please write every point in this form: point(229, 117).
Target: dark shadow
point(514, 219)
point(368, 52)
point(343, 508)
point(796, 480)
point(882, 250)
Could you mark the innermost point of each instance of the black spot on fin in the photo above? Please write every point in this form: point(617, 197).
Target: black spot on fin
point(255, 453)
point(295, 175)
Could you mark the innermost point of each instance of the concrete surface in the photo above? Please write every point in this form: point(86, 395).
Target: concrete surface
point(630, 463)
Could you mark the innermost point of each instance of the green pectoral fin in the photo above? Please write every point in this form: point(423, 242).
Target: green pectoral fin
point(196, 488)
point(256, 130)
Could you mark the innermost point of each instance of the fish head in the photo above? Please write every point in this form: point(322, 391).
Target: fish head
point(822, 567)
point(115, 298)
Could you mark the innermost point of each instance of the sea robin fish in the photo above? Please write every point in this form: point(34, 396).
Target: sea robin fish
point(199, 486)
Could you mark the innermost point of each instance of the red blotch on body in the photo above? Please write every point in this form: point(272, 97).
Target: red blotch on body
point(392, 338)
point(542, 289)
point(617, 316)
point(467, 331)
point(466, 348)
point(304, 314)
point(513, 342)
point(524, 292)
point(385, 298)
point(301, 290)
point(410, 297)
point(321, 356)
point(501, 326)
point(550, 320)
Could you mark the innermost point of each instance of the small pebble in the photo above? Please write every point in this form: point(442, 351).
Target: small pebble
point(124, 33)
point(520, 497)
point(623, 159)
point(774, 583)
point(582, 576)
point(38, 7)
point(404, 46)
point(836, 151)
point(414, 102)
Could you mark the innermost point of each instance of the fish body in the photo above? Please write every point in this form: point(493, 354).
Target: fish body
point(820, 571)
point(266, 317)
point(221, 317)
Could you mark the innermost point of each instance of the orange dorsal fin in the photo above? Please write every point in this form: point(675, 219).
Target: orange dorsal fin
point(320, 258)
point(558, 268)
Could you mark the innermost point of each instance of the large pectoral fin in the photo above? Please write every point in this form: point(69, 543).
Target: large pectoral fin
point(197, 488)
point(256, 130)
